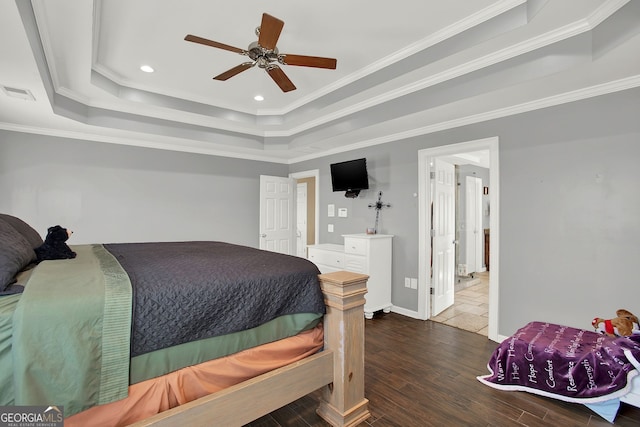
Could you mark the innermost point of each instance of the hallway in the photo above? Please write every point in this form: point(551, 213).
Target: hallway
point(470, 310)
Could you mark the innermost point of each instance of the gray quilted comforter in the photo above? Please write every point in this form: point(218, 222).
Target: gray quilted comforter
point(186, 291)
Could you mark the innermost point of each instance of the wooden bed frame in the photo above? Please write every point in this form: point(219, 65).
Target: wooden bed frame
point(338, 369)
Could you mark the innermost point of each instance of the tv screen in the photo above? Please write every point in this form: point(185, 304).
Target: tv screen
point(349, 176)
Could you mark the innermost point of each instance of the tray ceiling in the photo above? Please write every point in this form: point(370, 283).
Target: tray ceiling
point(404, 69)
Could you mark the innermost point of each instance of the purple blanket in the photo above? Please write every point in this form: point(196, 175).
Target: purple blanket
point(565, 363)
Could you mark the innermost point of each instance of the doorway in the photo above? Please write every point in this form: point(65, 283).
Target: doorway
point(307, 215)
point(459, 154)
point(281, 228)
point(301, 219)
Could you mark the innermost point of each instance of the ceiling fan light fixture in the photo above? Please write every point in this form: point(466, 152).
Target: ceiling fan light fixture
point(147, 68)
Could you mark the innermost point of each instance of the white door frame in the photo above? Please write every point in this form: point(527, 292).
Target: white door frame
point(424, 228)
point(301, 214)
point(315, 173)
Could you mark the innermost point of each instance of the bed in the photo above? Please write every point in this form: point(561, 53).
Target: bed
point(569, 364)
point(149, 334)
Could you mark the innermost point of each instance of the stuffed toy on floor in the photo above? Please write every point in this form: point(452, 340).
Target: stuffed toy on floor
point(622, 326)
point(55, 246)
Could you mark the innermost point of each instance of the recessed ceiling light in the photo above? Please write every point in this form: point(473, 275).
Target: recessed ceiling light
point(259, 98)
point(147, 69)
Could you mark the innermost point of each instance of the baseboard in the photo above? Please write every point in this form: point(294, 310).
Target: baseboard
point(414, 315)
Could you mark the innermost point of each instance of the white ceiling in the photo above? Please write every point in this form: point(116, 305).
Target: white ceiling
point(405, 68)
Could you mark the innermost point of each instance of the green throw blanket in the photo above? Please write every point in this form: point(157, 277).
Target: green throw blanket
point(72, 328)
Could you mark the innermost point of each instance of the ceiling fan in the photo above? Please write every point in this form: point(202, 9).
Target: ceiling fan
point(265, 54)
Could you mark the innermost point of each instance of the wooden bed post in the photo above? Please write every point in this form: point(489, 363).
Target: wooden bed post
point(343, 401)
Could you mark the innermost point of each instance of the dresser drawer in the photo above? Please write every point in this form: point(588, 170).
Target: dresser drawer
point(330, 258)
point(355, 246)
point(355, 263)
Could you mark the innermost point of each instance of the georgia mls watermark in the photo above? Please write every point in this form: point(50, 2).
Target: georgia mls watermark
point(31, 416)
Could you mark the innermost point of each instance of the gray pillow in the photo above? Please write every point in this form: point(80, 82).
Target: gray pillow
point(15, 254)
point(23, 228)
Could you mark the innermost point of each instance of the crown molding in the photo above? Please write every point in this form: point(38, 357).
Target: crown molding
point(135, 142)
point(550, 101)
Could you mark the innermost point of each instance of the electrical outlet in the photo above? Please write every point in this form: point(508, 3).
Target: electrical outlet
point(407, 282)
point(414, 283)
point(330, 228)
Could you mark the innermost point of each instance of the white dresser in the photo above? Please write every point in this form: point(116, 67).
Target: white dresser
point(368, 254)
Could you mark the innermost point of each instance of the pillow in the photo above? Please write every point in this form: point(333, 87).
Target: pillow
point(15, 254)
point(25, 229)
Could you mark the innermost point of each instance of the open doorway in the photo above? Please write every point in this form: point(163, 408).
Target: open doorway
point(462, 268)
point(470, 307)
point(307, 206)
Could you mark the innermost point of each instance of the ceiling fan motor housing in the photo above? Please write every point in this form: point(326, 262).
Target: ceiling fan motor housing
point(261, 55)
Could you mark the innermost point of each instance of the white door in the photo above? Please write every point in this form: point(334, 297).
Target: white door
point(443, 246)
point(473, 223)
point(277, 214)
point(301, 223)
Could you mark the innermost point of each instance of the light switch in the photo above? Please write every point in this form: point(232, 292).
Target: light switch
point(330, 228)
point(342, 212)
point(331, 210)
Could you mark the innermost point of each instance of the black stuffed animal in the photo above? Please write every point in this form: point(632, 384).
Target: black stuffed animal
point(55, 246)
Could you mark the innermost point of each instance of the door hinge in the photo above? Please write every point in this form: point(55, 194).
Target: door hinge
point(432, 175)
point(431, 291)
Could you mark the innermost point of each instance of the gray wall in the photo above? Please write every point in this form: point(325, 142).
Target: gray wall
point(114, 193)
point(569, 199)
point(569, 202)
point(393, 169)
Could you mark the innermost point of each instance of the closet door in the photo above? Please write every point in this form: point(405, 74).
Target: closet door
point(473, 221)
point(277, 214)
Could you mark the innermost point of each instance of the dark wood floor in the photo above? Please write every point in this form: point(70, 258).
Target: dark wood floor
point(422, 373)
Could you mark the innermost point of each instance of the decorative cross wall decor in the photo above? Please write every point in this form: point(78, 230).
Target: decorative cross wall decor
point(378, 207)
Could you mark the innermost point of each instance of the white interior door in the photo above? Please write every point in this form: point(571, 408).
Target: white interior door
point(473, 224)
point(301, 222)
point(443, 250)
point(277, 214)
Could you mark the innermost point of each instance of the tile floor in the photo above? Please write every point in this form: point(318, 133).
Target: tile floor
point(471, 308)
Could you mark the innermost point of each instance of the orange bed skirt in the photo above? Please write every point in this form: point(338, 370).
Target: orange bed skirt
point(152, 396)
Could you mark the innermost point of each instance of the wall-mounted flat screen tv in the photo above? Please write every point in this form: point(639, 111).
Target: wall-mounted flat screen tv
point(350, 176)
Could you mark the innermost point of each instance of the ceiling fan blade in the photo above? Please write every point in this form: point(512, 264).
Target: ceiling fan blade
point(270, 30)
point(235, 70)
point(207, 42)
point(309, 61)
point(280, 78)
